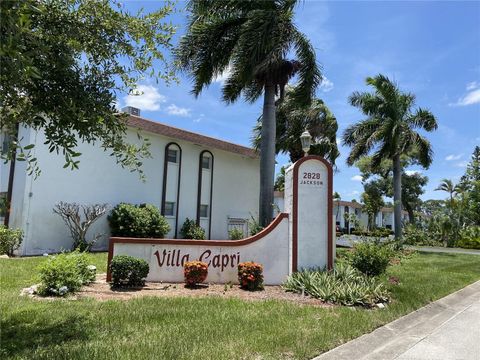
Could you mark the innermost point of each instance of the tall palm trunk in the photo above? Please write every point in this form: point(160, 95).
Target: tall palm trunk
point(397, 196)
point(267, 156)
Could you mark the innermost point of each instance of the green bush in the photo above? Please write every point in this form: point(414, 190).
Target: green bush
point(65, 273)
point(235, 234)
point(377, 232)
point(254, 226)
point(10, 240)
point(142, 221)
point(414, 235)
point(190, 230)
point(128, 271)
point(469, 238)
point(344, 285)
point(370, 258)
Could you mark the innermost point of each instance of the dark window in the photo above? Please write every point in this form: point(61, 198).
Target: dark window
point(205, 162)
point(172, 156)
point(169, 208)
point(204, 211)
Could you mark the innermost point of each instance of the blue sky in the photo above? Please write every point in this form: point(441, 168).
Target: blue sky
point(429, 48)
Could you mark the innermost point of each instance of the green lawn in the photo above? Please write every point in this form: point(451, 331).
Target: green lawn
point(188, 328)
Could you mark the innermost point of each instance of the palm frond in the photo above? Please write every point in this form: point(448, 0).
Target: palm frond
point(309, 74)
point(423, 119)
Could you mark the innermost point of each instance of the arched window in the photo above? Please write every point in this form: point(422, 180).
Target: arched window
point(172, 172)
point(205, 191)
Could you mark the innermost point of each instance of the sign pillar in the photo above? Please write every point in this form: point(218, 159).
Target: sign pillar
point(308, 198)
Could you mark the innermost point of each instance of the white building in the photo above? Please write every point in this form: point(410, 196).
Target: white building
point(384, 217)
point(189, 175)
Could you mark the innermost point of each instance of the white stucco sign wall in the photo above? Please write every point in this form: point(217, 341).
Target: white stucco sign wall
point(300, 238)
point(167, 257)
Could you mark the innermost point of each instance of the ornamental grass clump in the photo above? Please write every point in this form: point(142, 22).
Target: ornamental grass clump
point(65, 273)
point(128, 271)
point(195, 272)
point(344, 285)
point(250, 276)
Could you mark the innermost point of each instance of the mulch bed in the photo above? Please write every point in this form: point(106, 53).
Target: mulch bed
point(100, 290)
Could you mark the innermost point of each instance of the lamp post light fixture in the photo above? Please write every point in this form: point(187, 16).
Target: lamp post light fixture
point(306, 140)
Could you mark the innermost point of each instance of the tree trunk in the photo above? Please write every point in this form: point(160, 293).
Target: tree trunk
point(397, 196)
point(267, 156)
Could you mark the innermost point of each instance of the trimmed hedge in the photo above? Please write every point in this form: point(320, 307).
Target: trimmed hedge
point(128, 271)
point(142, 221)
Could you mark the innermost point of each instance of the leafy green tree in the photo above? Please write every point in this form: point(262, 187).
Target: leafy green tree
point(372, 199)
point(63, 64)
point(389, 131)
point(413, 185)
point(469, 188)
point(280, 180)
point(293, 119)
point(250, 41)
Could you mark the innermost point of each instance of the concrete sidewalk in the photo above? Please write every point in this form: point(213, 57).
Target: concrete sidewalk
point(447, 329)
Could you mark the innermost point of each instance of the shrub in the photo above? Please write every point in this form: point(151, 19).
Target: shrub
point(235, 234)
point(78, 224)
point(250, 276)
point(142, 221)
point(10, 240)
point(128, 271)
point(370, 258)
point(65, 273)
point(344, 285)
point(195, 272)
point(414, 235)
point(469, 238)
point(254, 226)
point(190, 230)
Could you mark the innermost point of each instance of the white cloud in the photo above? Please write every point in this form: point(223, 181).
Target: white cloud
point(356, 178)
point(223, 76)
point(472, 85)
point(339, 141)
point(412, 172)
point(326, 85)
point(145, 97)
point(173, 109)
point(453, 157)
point(472, 97)
point(462, 164)
point(200, 118)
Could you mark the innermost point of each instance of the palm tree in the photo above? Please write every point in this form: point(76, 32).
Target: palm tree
point(448, 186)
point(389, 132)
point(293, 119)
point(249, 41)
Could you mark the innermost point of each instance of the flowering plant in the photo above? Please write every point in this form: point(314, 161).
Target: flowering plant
point(250, 275)
point(195, 272)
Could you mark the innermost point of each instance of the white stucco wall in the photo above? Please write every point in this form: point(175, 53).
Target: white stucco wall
point(166, 260)
point(101, 180)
